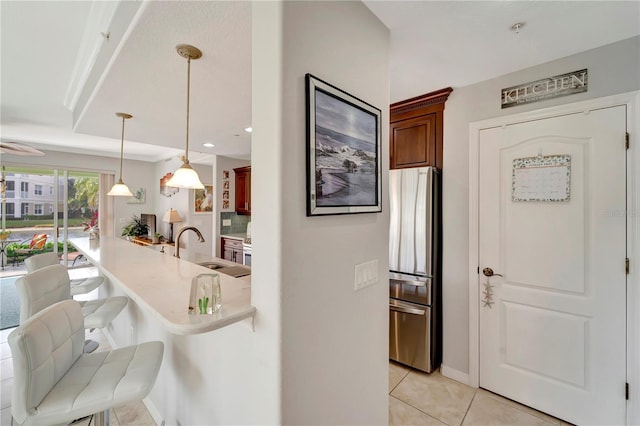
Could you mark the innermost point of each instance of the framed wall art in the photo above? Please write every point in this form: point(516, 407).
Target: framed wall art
point(343, 152)
point(203, 199)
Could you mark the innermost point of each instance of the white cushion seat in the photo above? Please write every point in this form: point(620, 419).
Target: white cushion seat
point(78, 285)
point(46, 286)
point(55, 383)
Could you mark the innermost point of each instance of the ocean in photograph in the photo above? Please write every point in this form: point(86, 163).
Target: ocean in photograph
point(9, 303)
point(345, 170)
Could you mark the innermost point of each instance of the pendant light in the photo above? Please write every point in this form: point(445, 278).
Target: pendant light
point(120, 189)
point(185, 176)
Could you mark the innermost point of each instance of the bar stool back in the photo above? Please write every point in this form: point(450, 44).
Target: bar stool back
point(55, 383)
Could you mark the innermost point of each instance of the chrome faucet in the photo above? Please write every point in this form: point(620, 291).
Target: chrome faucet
point(186, 228)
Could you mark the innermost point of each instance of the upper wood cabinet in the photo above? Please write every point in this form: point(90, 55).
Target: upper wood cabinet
point(243, 190)
point(415, 131)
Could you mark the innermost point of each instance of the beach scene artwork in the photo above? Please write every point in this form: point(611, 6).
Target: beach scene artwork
point(345, 153)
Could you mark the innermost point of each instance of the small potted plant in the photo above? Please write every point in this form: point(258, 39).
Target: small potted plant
point(135, 228)
point(4, 234)
point(157, 238)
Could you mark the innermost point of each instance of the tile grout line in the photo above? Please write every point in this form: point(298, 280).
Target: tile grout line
point(475, 392)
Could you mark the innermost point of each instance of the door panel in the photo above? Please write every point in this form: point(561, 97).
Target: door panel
point(552, 328)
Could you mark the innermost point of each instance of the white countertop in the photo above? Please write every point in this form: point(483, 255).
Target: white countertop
point(239, 236)
point(161, 284)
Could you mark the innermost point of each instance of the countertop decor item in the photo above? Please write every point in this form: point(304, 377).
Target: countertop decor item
point(135, 228)
point(186, 176)
point(205, 297)
point(171, 216)
point(120, 189)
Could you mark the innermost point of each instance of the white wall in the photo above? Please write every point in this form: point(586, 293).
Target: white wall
point(333, 340)
point(614, 68)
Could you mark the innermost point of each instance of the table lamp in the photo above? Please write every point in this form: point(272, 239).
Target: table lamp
point(171, 217)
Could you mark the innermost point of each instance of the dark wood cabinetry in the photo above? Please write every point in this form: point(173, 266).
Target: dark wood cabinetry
point(243, 190)
point(415, 131)
point(231, 249)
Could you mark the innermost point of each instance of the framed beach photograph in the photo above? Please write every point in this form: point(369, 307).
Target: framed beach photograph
point(343, 152)
point(203, 199)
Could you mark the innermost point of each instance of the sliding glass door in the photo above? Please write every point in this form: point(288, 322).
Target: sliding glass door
point(43, 208)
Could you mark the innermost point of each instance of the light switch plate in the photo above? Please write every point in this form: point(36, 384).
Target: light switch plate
point(226, 222)
point(366, 274)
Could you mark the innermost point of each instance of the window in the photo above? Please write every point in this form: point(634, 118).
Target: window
point(11, 209)
point(24, 209)
point(51, 190)
point(38, 190)
point(11, 189)
point(24, 186)
point(37, 209)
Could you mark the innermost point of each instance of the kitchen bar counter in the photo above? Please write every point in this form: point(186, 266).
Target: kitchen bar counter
point(161, 283)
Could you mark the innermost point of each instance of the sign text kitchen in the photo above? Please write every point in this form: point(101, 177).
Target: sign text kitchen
point(551, 87)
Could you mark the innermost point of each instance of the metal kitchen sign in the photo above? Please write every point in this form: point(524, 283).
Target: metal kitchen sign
point(551, 87)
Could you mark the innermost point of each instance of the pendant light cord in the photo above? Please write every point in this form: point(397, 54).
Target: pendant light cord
point(121, 148)
point(186, 153)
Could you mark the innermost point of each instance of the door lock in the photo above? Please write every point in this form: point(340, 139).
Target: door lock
point(488, 272)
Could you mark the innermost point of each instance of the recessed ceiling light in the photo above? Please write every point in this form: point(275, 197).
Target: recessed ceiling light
point(208, 144)
point(248, 129)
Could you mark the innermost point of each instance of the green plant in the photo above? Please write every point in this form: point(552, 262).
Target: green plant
point(135, 228)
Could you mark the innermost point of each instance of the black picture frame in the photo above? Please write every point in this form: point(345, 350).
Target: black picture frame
point(343, 152)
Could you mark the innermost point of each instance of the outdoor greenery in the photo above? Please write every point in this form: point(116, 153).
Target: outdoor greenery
point(40, 221)
point(11, 248)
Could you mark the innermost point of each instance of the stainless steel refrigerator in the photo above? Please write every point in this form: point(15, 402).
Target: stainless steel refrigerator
point(415, 325)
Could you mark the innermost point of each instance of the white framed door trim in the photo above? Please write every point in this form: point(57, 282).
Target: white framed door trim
point(632, 101)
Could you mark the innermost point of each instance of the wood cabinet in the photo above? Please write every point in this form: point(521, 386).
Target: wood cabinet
point(243, 190)
point(415, 131)
point(231, 249)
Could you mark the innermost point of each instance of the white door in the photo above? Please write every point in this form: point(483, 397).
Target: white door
point(551, 214)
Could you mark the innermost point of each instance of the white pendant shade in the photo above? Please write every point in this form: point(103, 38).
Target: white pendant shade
point(120, 190)
point(185, 177)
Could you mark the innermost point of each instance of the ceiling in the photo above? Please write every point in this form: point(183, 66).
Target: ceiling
point(68, 66)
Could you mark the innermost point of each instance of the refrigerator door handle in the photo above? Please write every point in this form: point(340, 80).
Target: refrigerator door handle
point(405, 308)
point(412, 282)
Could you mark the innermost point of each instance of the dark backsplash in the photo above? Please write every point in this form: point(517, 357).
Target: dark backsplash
point(238, 223)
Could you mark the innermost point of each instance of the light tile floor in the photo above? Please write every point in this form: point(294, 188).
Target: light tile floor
point(417, 398)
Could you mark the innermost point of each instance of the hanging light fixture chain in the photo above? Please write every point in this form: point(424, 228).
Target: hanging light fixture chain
point(121, 147)
point(186, 154)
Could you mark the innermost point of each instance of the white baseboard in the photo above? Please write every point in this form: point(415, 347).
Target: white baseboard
point(454, 374)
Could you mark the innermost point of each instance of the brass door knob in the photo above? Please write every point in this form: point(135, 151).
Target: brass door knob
point(488, 272)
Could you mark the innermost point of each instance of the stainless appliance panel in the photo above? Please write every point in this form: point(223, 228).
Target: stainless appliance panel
point(411, 288)
point(411, 220)
point(409, 335)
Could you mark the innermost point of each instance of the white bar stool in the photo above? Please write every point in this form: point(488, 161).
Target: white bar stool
point(44, 287)
point(78, 286)
point(55, 383)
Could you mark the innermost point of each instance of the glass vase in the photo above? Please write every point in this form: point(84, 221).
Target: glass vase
point(205, 297)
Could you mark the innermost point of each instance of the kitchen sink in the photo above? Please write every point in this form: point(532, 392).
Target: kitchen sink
point(211, 265)
point(234, 271)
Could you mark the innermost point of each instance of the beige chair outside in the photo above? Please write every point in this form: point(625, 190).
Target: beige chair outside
point(78, 286)
point(55, 383)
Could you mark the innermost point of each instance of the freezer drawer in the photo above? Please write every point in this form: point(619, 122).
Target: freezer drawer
point(410, 335)
point(411, 288)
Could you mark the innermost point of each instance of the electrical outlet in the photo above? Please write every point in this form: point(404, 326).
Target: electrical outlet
point(226, 222)
point(366, 274)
